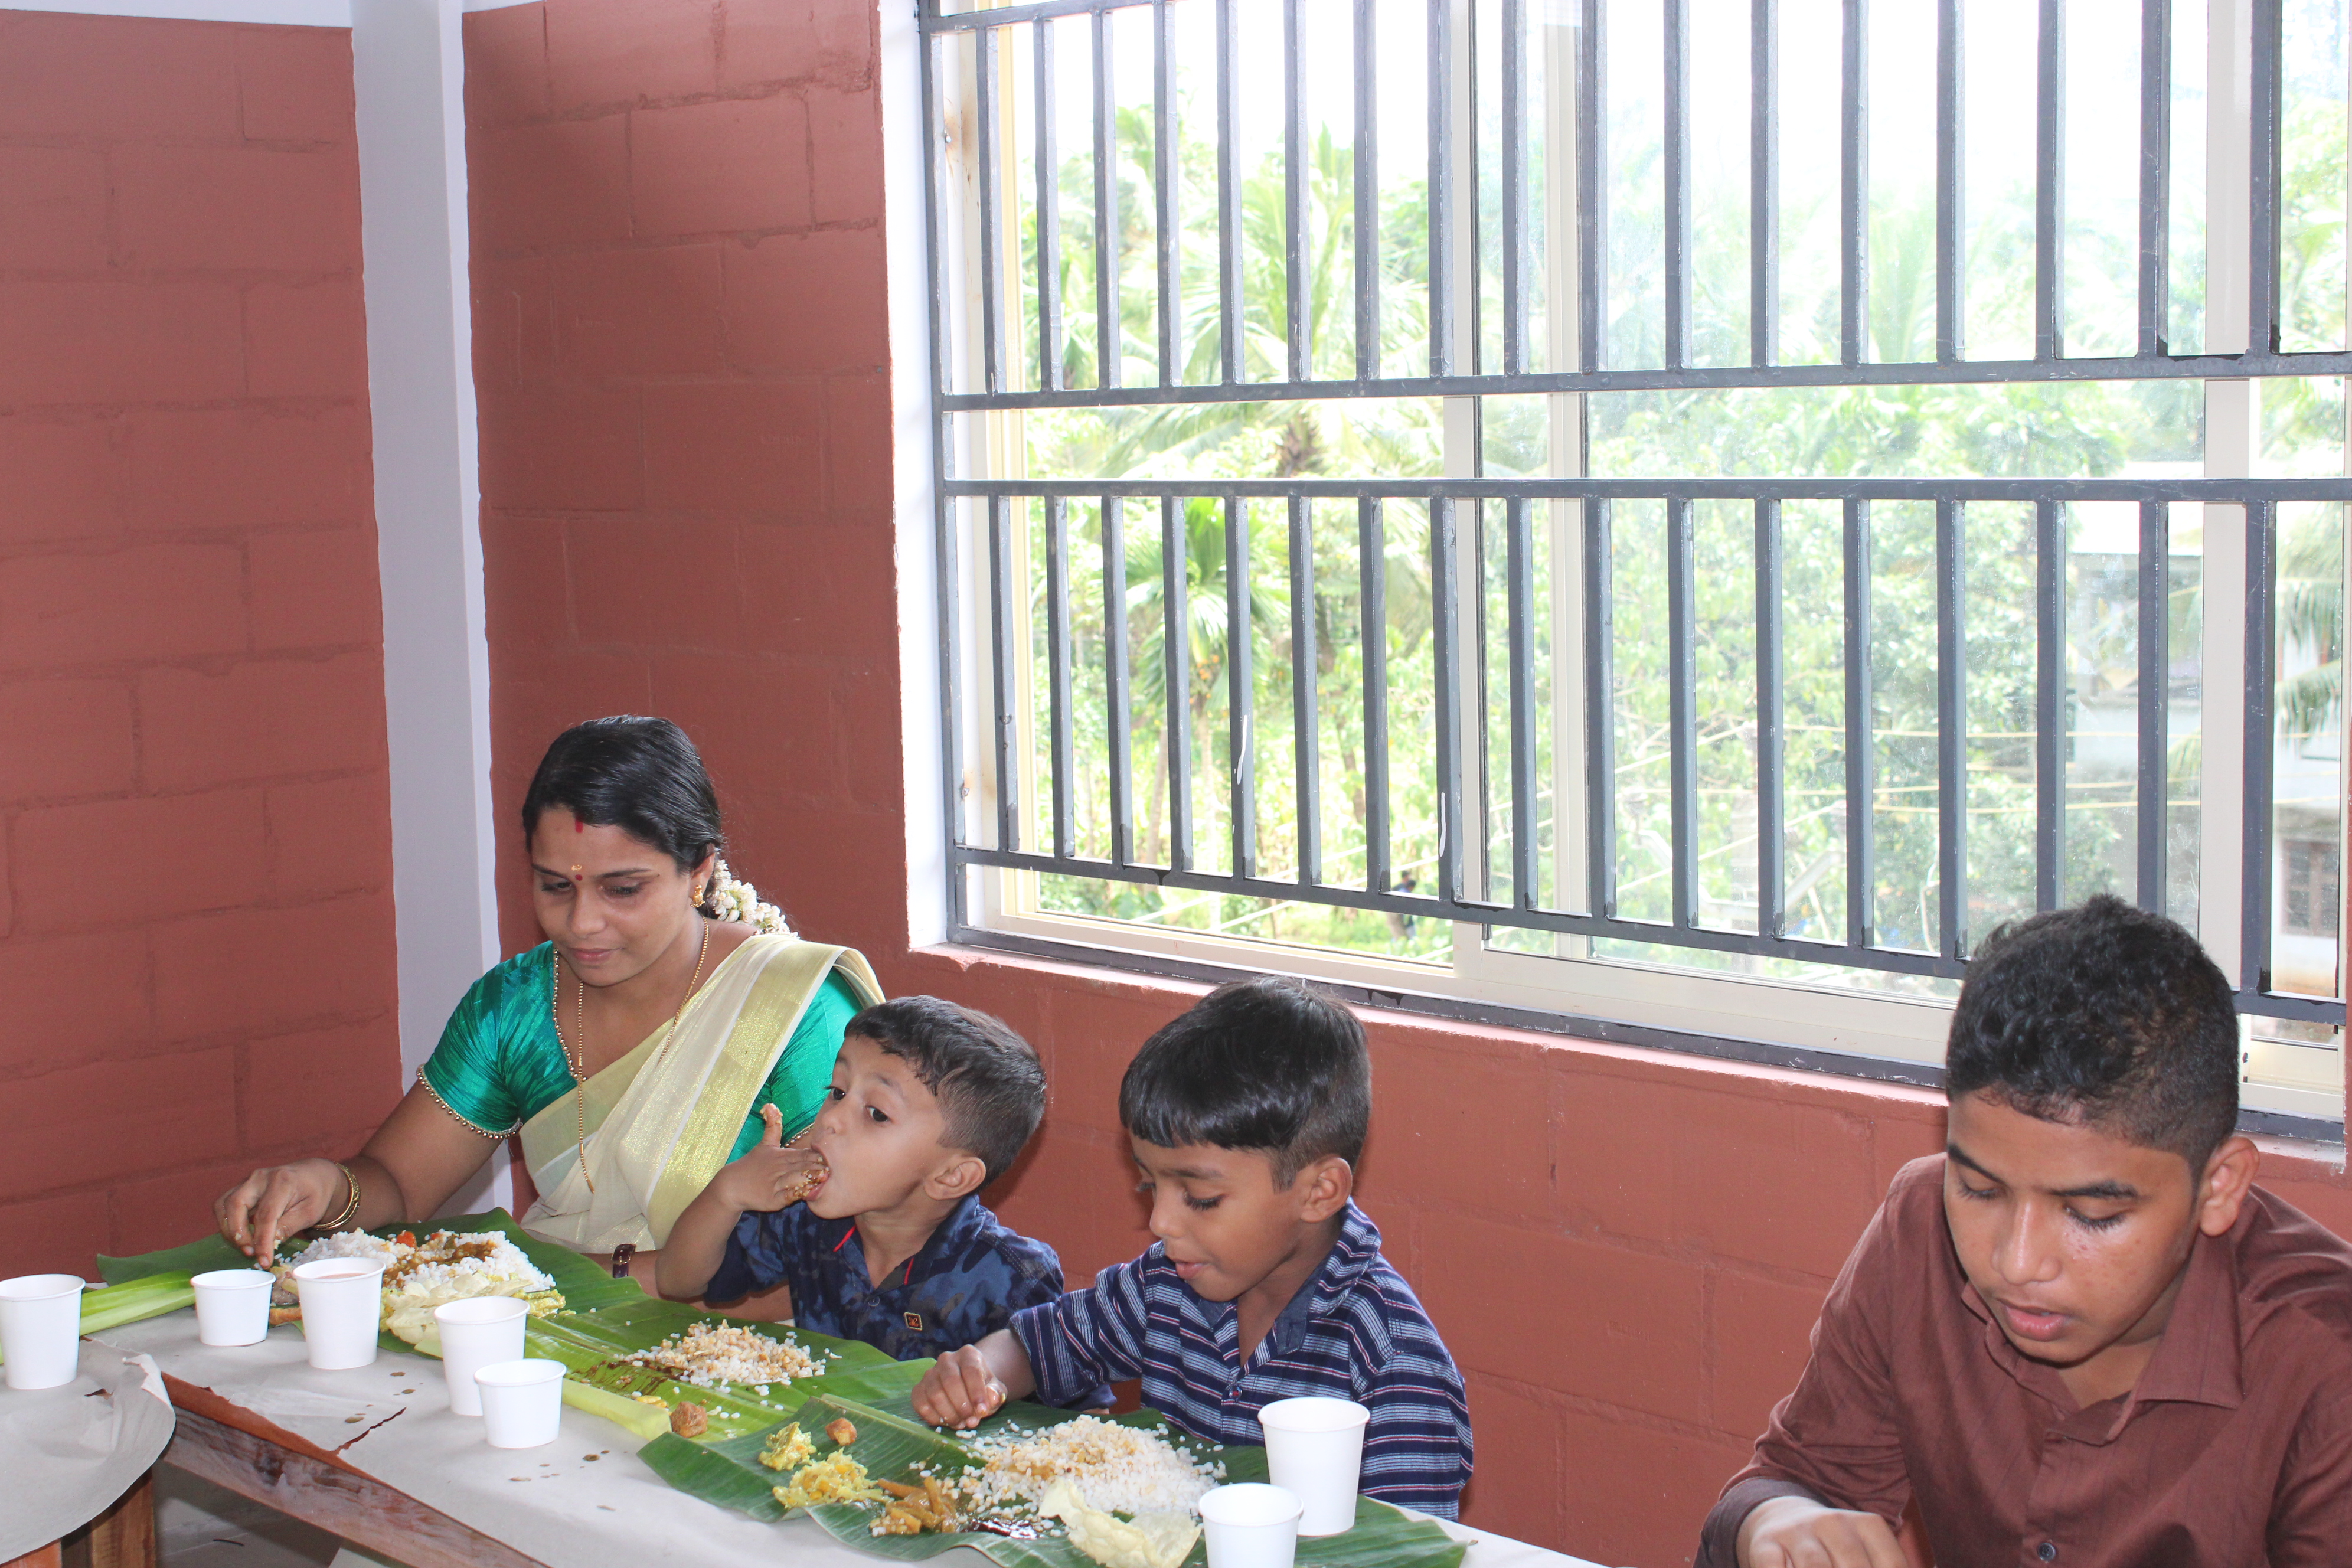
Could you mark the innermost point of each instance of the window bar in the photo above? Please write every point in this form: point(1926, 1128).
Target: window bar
point(1177, 680)
point(2155, 172)
point(992, 237)
point(1854, 190)
point(1058, 665)
point(1116, 681)
point(1951, 729)
point(1599, 709)
point(1520, 546)
point(948, 513)
point(1441, 187)
point(1294, 193)
point(1372, 552)
point(1517, 251)
point(1049, 215)
point(2263, 193)
point(1163, 179)
point(1111, 334)
point(1366, 160)
point(1861, 870)
point(2049, 184)
point(2262, 606)
point(1591, 201)
point(1676, 14)
point(1771, 743)
point(1229, 197)
point(2154, 694)
point(1445, 640)
point(1008, 727)
point(1763, 184)
point(2049, 703)
point(1951, 259)
point(1240, 765)
point(1304, 724)
point(1682, 702)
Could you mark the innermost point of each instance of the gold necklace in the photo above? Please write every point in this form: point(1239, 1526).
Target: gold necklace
point(574, 1065)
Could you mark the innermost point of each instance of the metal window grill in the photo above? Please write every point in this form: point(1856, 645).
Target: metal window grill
point(964, 164)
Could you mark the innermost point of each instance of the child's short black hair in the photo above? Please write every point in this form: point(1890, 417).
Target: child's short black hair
point(988, 1081)
point(1267, 1065)
point(2104, 1014)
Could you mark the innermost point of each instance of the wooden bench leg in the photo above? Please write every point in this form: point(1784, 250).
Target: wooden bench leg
point(122, 1537)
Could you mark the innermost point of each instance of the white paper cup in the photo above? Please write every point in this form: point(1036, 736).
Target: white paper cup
point(233, 1306)
point(40, 1329)
point(477, 1334)
point(1249, 1525)
point(522, 1402)
point(343, 1305)
point(1315, 1448)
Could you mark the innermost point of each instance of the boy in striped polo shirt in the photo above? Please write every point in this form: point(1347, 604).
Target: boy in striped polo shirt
point(1247, 1116)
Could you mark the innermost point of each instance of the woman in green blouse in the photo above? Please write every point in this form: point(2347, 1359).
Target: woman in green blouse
point(632, 1052)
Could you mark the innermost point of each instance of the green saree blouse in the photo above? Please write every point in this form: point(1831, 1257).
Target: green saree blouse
point(498, 1063)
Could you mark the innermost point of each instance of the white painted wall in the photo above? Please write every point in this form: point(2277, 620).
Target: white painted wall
point(408, 61)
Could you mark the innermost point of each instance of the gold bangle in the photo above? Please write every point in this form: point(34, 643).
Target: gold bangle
point(351, 1209)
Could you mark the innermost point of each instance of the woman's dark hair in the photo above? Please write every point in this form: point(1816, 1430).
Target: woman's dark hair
point(1268, 1064)
point(987, 1080)
point(640, 776)
point(2106, 1015)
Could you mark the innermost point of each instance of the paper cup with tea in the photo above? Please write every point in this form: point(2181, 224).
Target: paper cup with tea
point(343, 1306)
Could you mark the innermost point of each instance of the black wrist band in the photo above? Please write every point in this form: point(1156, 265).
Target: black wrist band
point(621, 1256)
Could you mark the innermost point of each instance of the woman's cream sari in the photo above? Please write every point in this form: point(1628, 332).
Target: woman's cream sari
point(663, 1120)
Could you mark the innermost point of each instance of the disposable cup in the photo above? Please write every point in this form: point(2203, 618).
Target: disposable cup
point(482, 1331)
point(522, 1402)
point(40, 1329)
point(342, 1304)
point(233, 1306)
point(1250, 1525)
point(1315, 1448)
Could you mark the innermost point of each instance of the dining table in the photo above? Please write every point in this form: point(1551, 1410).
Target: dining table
point(375, 1456)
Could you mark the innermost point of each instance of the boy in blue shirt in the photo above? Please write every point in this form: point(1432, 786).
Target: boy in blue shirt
point(1247, 1116)
point(930, 1102)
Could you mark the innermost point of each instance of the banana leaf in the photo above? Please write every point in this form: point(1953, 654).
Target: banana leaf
point(892, 1446)
point(602, 1320)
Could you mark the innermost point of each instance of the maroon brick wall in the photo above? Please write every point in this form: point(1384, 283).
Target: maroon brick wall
point(196, 909)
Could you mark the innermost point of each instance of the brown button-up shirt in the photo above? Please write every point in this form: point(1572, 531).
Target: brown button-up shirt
point(2234, 1449)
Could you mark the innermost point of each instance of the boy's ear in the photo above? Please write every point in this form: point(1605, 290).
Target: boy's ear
point(959, 1174)
point(1324, 1188)
point(2222, 1190)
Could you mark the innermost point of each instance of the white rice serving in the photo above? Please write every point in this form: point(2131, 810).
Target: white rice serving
point(446, 1267)
point(1119, 1470)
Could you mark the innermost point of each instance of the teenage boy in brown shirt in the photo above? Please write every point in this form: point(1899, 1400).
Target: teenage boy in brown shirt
point(2081, 1335)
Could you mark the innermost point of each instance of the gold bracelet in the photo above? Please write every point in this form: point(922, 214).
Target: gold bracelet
point(351, 1209)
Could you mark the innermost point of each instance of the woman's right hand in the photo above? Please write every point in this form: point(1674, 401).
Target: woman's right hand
point(276, 1201)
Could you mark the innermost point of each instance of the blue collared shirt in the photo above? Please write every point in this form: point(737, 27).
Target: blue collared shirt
point(965, 1282)
point(1355, 1330)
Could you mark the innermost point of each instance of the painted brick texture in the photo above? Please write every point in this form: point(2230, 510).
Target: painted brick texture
point(680, 341)
point(195, 905)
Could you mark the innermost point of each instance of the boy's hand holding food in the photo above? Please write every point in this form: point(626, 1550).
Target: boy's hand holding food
point(960, 1390)
point(770, 1176)
point(1797, 1533)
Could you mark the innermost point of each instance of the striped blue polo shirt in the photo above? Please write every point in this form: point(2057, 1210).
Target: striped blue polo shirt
point(1355, 1330)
